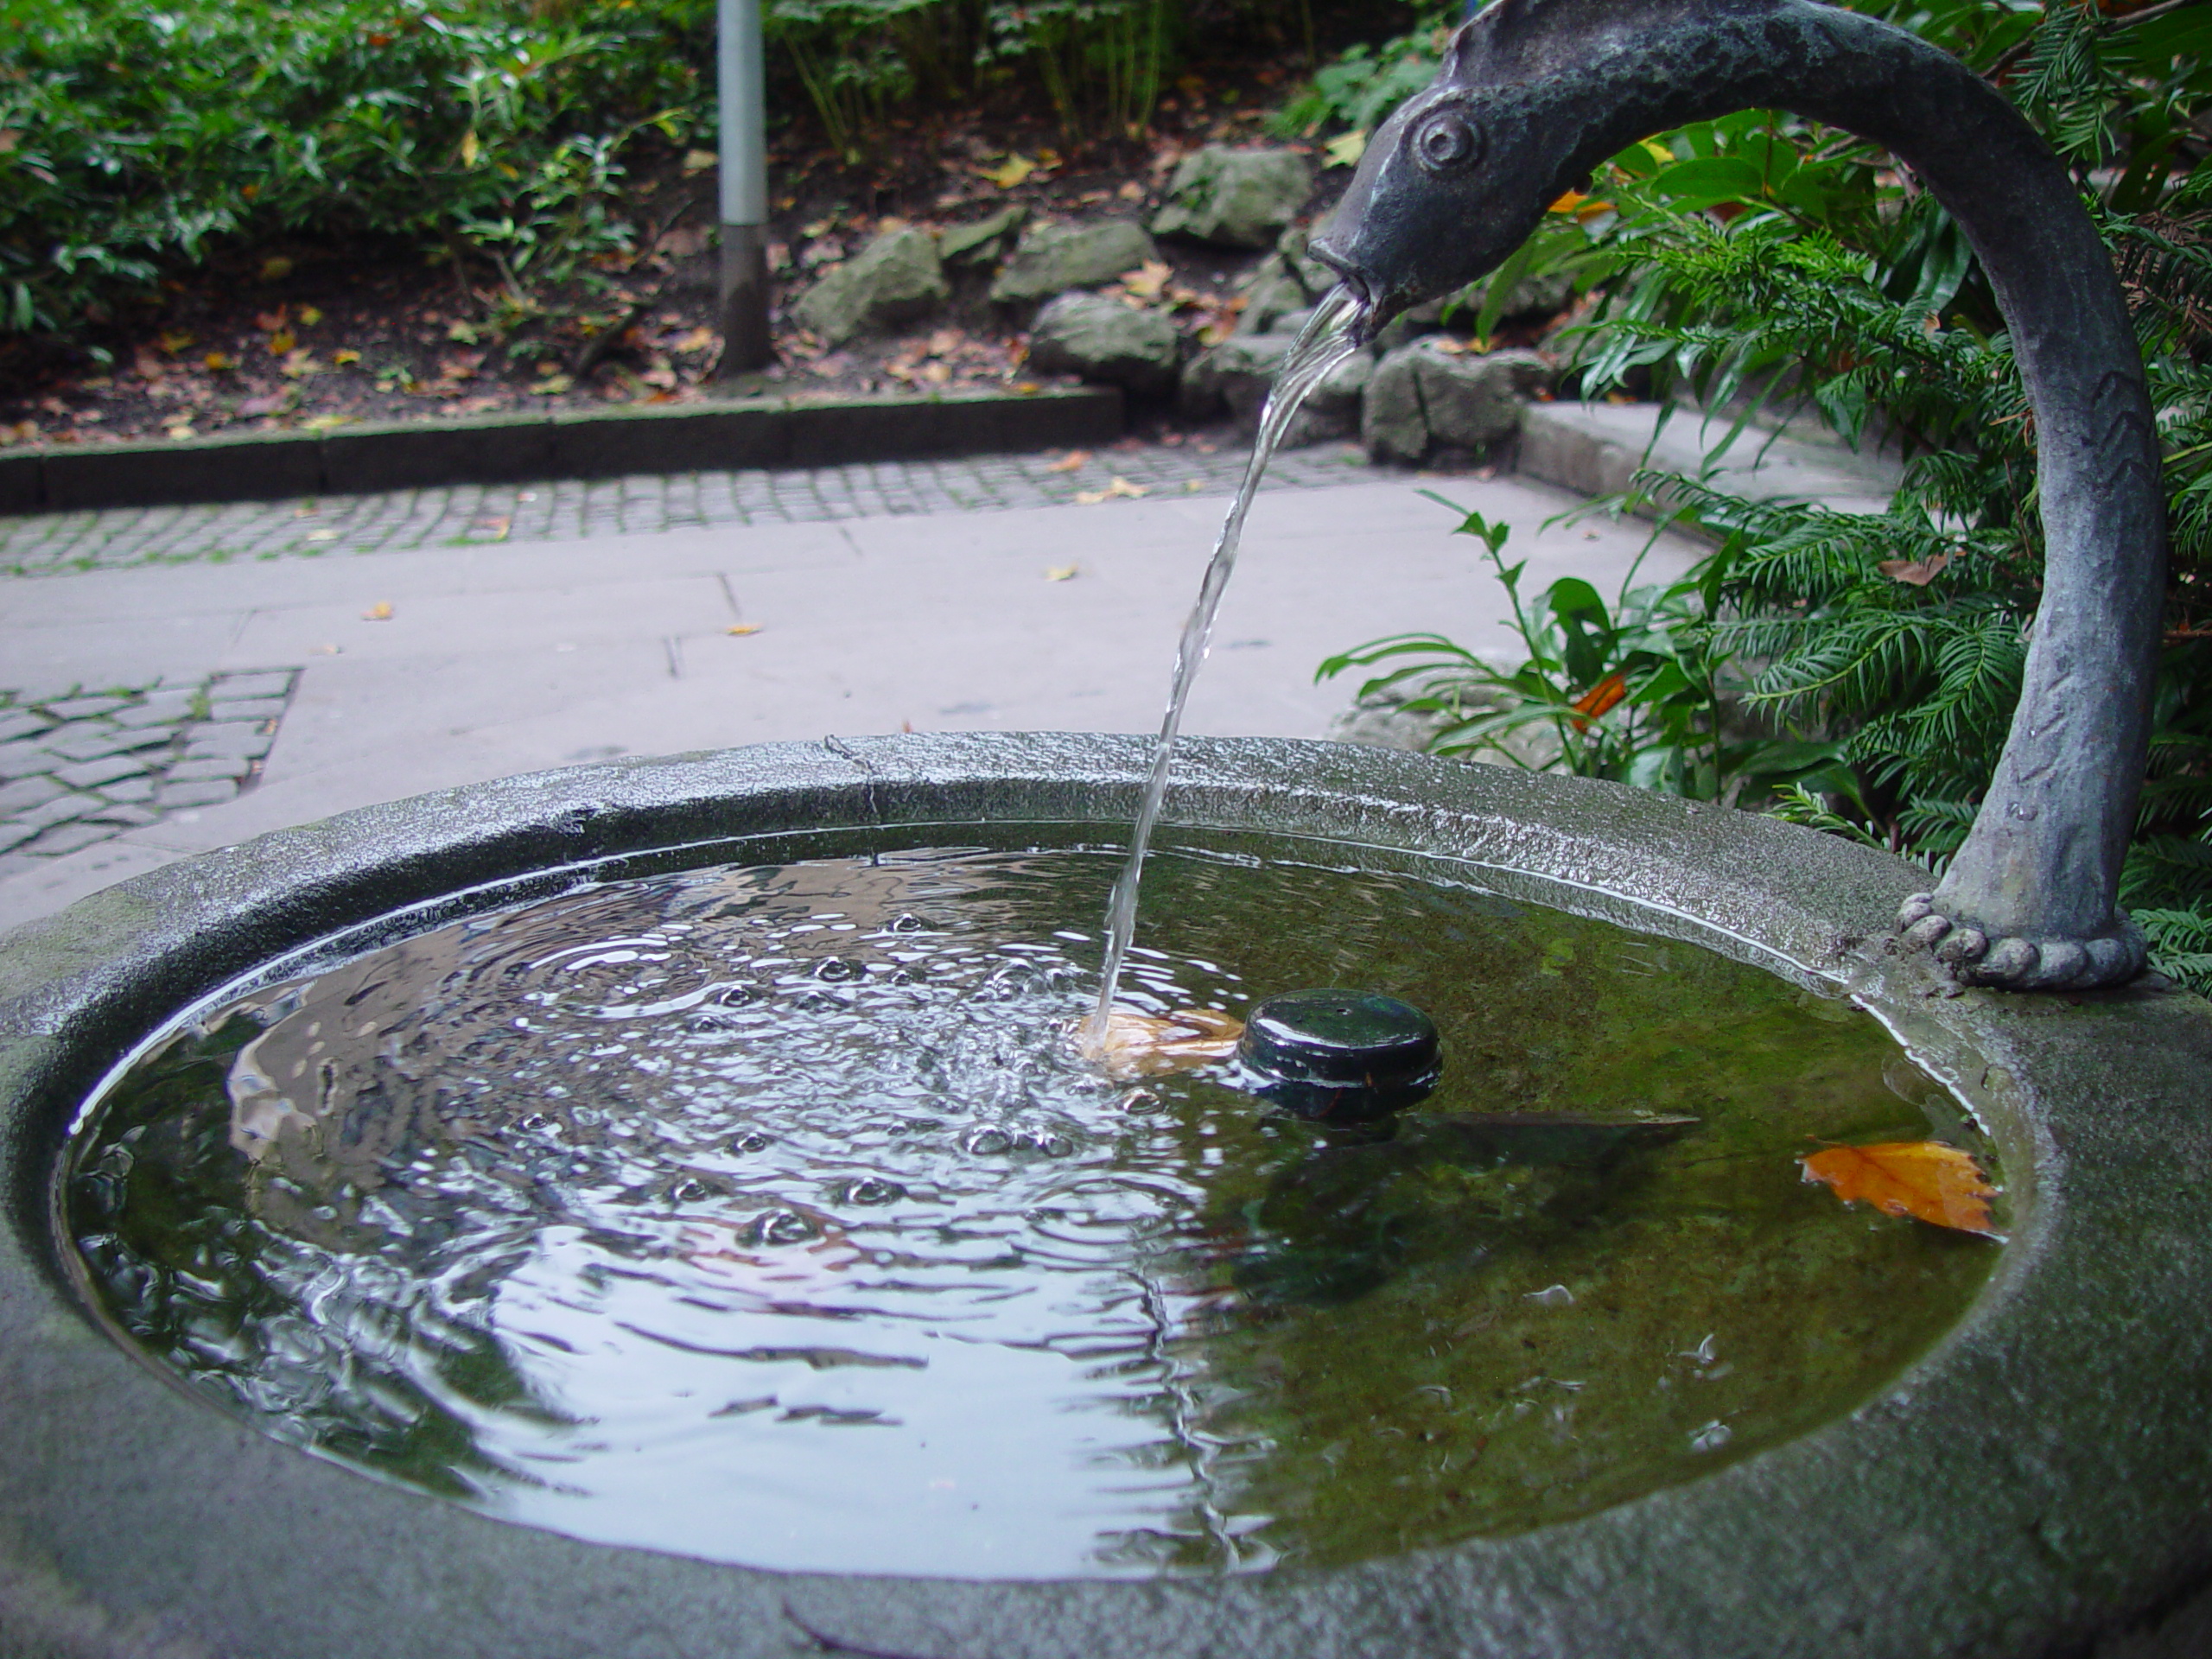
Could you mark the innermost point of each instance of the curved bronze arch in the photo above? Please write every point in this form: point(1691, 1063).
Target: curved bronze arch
point(1535, 93)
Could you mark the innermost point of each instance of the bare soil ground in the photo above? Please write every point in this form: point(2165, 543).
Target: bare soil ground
point(311, 336)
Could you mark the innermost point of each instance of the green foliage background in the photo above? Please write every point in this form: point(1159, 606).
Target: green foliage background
point(1762, 261)
point(135, 137)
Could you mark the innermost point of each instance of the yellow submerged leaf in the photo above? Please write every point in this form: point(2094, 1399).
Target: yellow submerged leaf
point(1148, 1044)
point(1925, 1179)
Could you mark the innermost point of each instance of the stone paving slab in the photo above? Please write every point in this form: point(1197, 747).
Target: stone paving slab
point(186, 676)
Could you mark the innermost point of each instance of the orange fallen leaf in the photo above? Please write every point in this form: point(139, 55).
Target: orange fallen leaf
point(1146, 1044)
point(380, 612)
point(1918, 572)
point(1071, 462)
point(743, 628)
point(1926, 1179)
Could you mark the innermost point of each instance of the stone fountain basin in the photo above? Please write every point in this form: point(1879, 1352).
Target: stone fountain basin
point(2041, 1479)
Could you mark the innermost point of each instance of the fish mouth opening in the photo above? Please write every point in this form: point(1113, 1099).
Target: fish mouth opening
point(1364, 321)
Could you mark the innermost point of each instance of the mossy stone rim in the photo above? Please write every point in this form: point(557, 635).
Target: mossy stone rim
point(2041, 1477)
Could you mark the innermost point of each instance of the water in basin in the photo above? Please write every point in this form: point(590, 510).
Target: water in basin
point(764, 1213)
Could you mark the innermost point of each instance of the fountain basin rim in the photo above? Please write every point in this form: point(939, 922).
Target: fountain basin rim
point(134, 1513)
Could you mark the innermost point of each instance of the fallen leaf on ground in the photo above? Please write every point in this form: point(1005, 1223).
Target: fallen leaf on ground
point(1120, 486)
point(281, 342)
point(310, 317)
point(698, 160)
point(745, 627)
point(1149, 280)
point(380, 612)
point(1132, 191)
point(341, 357)
point(1346, 148)
point(1063, 572)
point(276, 267)
point(176, 340)
point(327, 651)
point(1918, 572)
point(1146, 1044)
point(322, 535)
point(1070, 461)
point(219, 362)
point(1926, 1179)
point(1008, 173)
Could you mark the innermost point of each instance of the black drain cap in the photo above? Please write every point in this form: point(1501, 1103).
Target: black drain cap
point(1341, 1055)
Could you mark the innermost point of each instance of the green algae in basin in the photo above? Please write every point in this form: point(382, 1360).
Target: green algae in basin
point(762, 1213)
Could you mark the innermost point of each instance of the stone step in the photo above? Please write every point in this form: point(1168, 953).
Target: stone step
point(1596, 448)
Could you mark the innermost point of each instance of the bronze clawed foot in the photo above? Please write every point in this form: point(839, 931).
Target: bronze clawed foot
point(2019, 963)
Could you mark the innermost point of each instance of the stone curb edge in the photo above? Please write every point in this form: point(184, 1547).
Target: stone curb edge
point(506, 449)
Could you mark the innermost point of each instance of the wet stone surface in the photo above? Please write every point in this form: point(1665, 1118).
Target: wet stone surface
point(78, 766)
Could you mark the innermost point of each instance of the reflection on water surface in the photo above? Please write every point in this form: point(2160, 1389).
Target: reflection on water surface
point(762, 1214)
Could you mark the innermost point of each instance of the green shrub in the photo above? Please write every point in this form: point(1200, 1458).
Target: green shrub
point(1763, 256)
point(139, 137)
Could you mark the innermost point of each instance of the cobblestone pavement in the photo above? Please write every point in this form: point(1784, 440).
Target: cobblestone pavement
point(79, 764)
point(63, 543)
point(77, 767)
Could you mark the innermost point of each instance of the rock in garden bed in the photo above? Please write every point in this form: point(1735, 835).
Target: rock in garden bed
point(1053, 259)
point(895, 280)
point(1105, 339)
point(1235, 198)
point(1435, 394)
point(1242, 369)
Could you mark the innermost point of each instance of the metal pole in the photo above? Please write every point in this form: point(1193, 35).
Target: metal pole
point(744, 119)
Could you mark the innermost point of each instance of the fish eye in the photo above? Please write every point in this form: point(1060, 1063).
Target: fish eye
point(1443, 140)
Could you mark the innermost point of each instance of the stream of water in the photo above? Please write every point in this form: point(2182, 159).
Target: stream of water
point(1325, 341)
